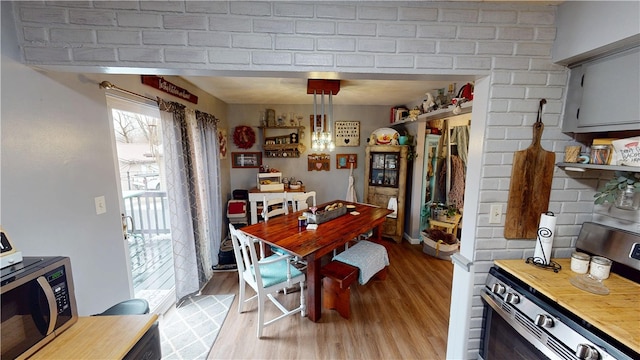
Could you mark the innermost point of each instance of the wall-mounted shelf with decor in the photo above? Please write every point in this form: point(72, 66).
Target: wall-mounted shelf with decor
point(585, 167)
point(282, 141)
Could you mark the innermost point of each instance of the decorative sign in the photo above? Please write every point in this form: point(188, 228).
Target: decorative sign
point(346, 161)
point(161, 84)
point(318, 162)
point(347, 133)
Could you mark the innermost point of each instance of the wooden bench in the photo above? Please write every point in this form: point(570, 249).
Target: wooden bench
point(336, 285)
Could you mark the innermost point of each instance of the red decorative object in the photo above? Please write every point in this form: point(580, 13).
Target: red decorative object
point(244, 137)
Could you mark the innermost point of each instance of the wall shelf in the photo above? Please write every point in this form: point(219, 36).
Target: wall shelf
point(284, 143)
point(584, 167)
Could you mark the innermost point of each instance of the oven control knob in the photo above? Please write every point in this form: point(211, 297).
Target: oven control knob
point(498, 288)
point(587, 352)
point(544, 321)
point(512, 298)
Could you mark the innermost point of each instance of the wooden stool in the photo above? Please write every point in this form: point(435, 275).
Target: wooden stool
point(336, 286)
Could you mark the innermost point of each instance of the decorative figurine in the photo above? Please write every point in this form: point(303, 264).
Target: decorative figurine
point(429, 104)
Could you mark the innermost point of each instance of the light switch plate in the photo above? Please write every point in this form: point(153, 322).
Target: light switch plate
point(101, 205)
point(495, 214)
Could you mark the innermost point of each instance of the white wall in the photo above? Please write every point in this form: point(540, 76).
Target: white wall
point(55, 160)
point(57, 155)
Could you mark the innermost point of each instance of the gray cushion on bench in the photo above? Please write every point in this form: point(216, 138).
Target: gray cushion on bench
point(368, 257)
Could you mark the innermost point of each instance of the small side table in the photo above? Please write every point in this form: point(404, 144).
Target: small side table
point(450, 224)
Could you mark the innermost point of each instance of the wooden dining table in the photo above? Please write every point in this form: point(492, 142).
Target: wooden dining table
point(311, 245)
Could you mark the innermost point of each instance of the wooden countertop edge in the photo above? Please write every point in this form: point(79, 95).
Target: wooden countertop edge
point(566, 300)
point(93, 337)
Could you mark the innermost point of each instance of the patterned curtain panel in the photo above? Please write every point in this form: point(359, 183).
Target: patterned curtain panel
point(193, 190)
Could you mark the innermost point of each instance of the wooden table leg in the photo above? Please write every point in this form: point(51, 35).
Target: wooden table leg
point(379, 232)
point(314, 289)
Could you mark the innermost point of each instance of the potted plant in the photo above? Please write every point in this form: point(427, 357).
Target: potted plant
point(621, 191)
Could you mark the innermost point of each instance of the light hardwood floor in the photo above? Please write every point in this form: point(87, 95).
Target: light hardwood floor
point(403, 317)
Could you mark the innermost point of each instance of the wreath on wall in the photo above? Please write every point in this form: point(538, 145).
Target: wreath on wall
point(244, 137)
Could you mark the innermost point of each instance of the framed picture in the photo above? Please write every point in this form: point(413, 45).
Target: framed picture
point(318, 162)
point(222, 142)
point(347, 133)
point(246, 159)
point(318, 122)
point(344, 161)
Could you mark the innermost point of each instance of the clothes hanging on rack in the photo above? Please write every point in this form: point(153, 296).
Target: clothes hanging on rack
point(460, 136)
point(456, 192)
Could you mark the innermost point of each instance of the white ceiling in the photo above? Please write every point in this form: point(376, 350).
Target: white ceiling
point(290, 90)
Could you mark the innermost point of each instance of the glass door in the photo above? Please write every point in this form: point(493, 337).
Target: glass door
point(144, 204)
point(384, 169)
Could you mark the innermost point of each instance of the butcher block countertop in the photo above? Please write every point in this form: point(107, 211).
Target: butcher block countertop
point(617, 314)
point(98, 337)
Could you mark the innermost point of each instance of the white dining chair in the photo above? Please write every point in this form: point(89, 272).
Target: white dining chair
point(301, 201)
point(274, 207)
point(266, 277)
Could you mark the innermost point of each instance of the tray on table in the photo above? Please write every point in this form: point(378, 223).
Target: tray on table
point(322, 216)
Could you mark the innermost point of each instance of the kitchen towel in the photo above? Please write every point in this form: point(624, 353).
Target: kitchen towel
point(544, 238)
point(393, 205)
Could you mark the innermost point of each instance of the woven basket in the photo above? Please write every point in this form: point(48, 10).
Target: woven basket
point(438, 248)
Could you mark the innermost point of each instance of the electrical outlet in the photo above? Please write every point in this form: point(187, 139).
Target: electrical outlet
point(101, 205)
point(495, 214)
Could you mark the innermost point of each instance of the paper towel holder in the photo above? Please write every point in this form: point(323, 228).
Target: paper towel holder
point(552, 265)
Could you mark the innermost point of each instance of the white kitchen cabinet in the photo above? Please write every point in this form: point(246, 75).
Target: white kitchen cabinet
point(603, 94)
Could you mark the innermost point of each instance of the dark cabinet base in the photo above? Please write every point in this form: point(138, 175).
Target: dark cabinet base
point(148, 347)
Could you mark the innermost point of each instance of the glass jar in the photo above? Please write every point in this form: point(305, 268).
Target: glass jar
point(600, 154)
point(580, 262)
point(600, 267)
point(628, 199)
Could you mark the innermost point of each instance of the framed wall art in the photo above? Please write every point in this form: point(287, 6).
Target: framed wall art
point(347, 133)
point(318, 162)
point(246, 159)
point(222, 142)
point(344, 161)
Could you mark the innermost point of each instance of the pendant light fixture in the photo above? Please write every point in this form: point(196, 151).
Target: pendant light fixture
point(322, 139)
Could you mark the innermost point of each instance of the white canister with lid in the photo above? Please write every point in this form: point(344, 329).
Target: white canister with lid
point(600, 267)
point(580, 262)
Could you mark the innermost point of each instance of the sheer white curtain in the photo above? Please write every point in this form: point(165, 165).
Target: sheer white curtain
point(193, 189)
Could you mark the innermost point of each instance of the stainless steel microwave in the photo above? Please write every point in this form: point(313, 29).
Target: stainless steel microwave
point(38, 303)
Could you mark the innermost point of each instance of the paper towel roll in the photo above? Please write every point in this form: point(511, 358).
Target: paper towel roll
point(544, 238)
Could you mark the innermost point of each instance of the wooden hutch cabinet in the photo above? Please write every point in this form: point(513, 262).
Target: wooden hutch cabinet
point(385, 180)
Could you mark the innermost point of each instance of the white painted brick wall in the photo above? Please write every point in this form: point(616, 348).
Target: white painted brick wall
point(119, 37)
point(203, 38)
point(510, 43)
point(139, 20)
point(35, 34)
point(185, 22)
point(92, 17)
point(140, 55)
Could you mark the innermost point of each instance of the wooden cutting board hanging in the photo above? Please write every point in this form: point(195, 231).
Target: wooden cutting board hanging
point(530, 187)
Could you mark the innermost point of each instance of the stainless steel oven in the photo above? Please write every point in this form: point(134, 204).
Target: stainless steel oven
point(522, 323)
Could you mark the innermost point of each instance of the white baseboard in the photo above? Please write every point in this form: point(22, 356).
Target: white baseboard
point(411, 240)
